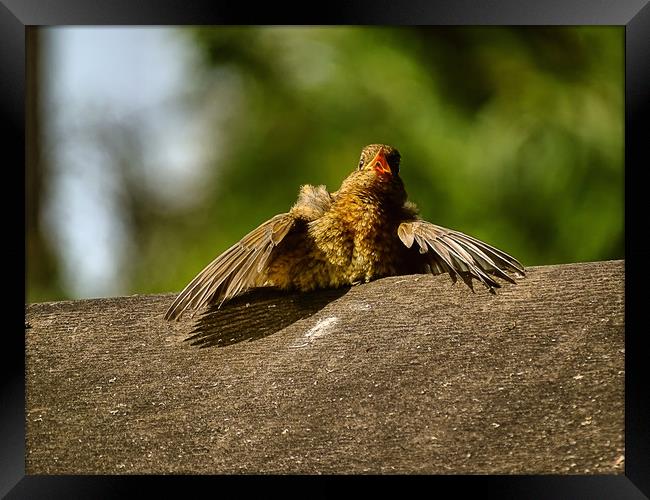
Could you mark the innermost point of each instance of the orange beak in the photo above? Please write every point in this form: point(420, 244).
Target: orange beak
point(380, 164)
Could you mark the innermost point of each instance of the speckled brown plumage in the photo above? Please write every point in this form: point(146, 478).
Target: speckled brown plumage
point(364, 231)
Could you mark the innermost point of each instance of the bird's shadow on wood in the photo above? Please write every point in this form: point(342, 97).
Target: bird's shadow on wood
point(257, 314)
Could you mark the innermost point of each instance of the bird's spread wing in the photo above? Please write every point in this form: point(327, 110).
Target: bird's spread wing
point(243, 265)
point(236, 269)
point(446, 250)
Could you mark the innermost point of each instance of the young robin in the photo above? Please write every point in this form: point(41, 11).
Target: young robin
point(364, 231)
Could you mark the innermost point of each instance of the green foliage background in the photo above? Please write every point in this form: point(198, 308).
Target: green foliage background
point(513, 135)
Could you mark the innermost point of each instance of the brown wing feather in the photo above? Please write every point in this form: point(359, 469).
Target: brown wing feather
point(446, 250)
point(236, 269)
point(242, 266)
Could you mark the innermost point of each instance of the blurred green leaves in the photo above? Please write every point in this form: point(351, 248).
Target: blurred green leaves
point(513, 135)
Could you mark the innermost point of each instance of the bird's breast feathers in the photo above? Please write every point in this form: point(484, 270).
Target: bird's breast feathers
point(358, 238)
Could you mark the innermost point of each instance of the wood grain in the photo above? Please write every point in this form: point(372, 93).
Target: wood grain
point(407, 374)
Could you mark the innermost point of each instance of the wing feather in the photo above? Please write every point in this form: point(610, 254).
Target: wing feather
point(458, 254)
point(236, 269)
point(242, 266)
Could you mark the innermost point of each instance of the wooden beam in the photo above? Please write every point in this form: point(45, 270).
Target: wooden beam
point(407, 374)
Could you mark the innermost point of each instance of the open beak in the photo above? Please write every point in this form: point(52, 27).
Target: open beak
point(380, 164)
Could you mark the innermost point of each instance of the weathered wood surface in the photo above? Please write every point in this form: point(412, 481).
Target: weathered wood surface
point(403, 375)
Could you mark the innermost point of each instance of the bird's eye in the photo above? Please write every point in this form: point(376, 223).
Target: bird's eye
point(360, 164)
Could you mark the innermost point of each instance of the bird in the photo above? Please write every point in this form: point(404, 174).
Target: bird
point(364, 231)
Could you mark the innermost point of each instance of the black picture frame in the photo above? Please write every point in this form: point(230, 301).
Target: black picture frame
point(16, 15)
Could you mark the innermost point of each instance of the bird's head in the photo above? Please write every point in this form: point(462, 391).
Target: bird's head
point(381, 159)
point(376, 178)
